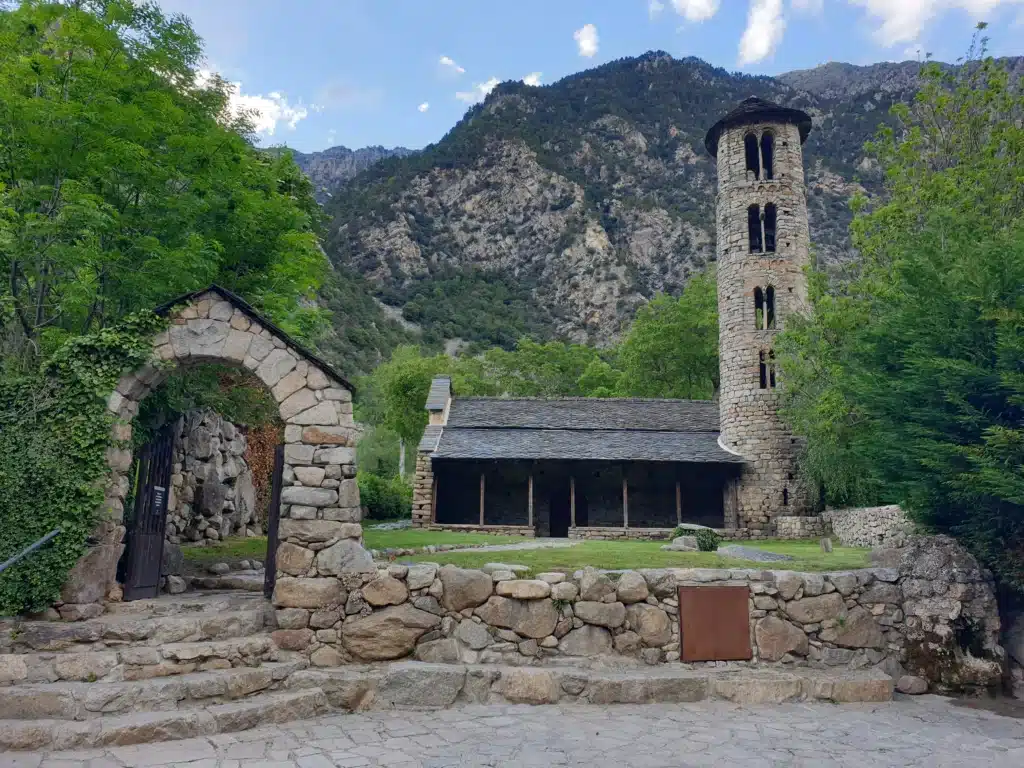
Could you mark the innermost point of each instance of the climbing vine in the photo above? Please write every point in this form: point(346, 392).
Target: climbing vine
point(55, 430)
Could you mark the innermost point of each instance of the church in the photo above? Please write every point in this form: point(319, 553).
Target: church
point(622, 468)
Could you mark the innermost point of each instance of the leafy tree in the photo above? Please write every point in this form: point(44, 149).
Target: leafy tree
point(672, 348)
point(125, 181)
point(909, 381)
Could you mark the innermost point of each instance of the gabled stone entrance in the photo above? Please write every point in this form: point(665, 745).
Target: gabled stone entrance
point(320, 533)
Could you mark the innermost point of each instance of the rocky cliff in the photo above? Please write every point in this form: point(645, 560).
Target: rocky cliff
point(570, 205)
point(331, 168)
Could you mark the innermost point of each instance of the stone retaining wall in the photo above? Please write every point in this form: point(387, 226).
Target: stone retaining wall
point(870, 526)
point(212, 491)
point(910, 615)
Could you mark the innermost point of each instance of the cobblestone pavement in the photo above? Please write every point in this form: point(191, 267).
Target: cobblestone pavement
point(927, 731)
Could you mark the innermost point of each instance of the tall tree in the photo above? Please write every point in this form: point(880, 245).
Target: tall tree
point(671, 349)
point(126, 180)
point(909, 381)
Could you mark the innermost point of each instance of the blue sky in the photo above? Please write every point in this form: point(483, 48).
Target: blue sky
point(402, 72)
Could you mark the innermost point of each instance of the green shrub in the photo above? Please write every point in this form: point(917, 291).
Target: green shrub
point(707, 540)
point(384, 498)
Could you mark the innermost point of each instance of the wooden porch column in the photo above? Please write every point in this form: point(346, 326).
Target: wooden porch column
point(433, 500)
point(679, 504)
point(625, 500)
point(482, 498)
point(572, 501)
point(529, 504)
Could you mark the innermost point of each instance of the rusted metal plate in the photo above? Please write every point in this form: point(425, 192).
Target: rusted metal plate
point(714, 623)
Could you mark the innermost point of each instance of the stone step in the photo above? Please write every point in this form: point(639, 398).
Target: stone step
point(415, 684)
point(243, 581)
point(119, 631)
point(135, 662)
point(146, 727)
point(192, 602)
point(85, 701)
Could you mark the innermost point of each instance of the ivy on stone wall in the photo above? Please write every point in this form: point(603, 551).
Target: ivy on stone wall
point(54, 433)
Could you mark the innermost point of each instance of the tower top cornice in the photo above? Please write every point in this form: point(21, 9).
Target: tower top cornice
point(755, 110)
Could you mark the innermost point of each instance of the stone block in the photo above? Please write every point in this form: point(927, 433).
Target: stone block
point(811, 610)
point(464, 588)
point(293, 559)
point(322, 413)
point(334, 456)
point(309, 497)
point(524, 589)
point(385, 590)
point(346, 555)
point(528, 686)
point(775, 638)
point(292, 618)
point(530, 618)
point(311, 476)
point(652, 624)
point(292, 639)
point(474, 635)
point(631, 588)
point(443, 651)
point(390, 633)
point(603, 614)
point(291, 592)
point(587, 640)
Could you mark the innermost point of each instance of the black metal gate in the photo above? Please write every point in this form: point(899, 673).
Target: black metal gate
point(273, 522)
point(147, 526)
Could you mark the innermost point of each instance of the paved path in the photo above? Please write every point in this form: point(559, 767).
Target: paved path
point(927, 731)
point(545, 543)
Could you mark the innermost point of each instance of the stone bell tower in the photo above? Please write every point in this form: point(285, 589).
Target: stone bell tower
point(763, 247)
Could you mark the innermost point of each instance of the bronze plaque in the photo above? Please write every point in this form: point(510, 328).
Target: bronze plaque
point(714, 623)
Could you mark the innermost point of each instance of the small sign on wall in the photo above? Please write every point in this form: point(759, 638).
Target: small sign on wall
point(714, 623)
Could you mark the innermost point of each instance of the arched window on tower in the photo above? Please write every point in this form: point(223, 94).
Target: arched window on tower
point(754, 228)
point(758, 309)
point(769, 228)
point(771, 369)
point(762, 370)
point(767, 154)
point(769, 307)
point(750, 149)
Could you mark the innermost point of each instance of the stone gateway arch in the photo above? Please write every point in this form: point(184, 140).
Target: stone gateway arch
point(320, 535)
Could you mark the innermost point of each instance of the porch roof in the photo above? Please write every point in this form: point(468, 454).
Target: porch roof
point(580, 444)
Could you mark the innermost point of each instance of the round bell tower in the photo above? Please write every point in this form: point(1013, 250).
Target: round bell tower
point(763, 247)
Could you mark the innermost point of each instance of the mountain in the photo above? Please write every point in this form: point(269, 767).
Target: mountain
point(331, 168)
point(557, 211)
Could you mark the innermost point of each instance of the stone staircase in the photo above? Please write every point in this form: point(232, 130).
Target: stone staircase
point(148, 670)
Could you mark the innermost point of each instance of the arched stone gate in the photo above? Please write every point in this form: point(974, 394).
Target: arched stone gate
point(320, 535)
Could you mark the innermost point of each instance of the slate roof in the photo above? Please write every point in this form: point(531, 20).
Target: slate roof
point(618, 429)
point(440, 389)
point(585, 413)
point(430, 436)
point(755, 110)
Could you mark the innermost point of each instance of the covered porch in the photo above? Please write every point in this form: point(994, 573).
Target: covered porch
point(578, 499)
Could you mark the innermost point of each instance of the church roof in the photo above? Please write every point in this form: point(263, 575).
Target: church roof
point(578, 428)
point(755, 110)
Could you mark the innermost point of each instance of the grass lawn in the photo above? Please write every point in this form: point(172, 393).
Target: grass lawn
point(648, 554)
point(230, 549)
point(407, 538)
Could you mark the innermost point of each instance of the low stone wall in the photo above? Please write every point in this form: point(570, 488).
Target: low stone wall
point(422, 492)
point(598, 533)
point(870, 526)
point(493, 530)
point(212, 491)
point(927, 611)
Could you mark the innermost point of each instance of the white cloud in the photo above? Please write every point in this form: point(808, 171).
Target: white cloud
point(331, 136)
point(696, 10)
point(424, 106)
point(586, 40)
point(765, 26)
point(914, 52)
point(479, 92)
point(813, 7)
point(450, 65)
point(532, 79)
point(654, 8)
point(902, 21)
point(266, 112)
